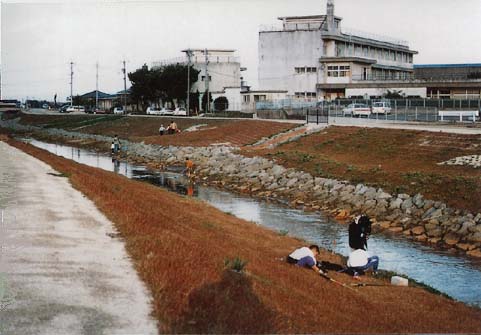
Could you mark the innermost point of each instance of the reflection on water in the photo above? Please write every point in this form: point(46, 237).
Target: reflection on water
point(456, 276)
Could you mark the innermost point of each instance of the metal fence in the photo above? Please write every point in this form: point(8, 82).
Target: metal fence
point(406, 110)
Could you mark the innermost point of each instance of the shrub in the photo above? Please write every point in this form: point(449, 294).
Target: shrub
point(237, 264)
point(221, 104)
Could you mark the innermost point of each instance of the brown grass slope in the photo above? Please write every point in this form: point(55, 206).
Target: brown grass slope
point(179, 245)
point(135, 128)
point(396, 160)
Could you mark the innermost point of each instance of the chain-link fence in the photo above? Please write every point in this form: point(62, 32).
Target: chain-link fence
point(393, 110)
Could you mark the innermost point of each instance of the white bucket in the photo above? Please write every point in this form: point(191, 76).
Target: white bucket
point(399, 281)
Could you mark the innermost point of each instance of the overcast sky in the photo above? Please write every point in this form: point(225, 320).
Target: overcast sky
point(38, 40)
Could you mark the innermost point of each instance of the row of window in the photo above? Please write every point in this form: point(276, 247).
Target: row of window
point(305, 94)
point(305, 69)
point(338, 71)
point(344, 49)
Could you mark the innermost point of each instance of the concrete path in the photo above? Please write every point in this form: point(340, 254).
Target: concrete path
point(432, 127)
point(60, 273)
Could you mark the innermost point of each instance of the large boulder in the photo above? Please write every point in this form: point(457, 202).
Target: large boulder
point(418, 230)
point(476, 237)
point(277, 170)
point(382, 195)
point(418, 200)
point(451, 238)
point(292, 182)
point(407, 204)
point(395, 203)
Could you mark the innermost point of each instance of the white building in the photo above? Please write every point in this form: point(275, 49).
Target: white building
point(314, 57)
point(224, 74)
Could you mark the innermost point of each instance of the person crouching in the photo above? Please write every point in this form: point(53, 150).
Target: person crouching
point(359, 262)
point(305, 257)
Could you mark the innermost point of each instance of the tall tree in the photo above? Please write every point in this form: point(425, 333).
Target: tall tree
point(168, 82)
point(143, 90)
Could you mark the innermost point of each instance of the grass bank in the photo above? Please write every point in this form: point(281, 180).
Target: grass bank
point(399, 161)
point(179, 247)
point(137, 128)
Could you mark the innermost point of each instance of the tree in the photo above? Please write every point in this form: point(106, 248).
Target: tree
point(221, 104)
point(394, 94)
point(143, 88)
point(194, 101)
point(204, 100)
point(79, 101)
point(173, 80)
point(168, 82)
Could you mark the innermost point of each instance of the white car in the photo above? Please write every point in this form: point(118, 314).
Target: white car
point(152, 111)
point(118, 110)
point(159, 111)
point(382, 107)
point(357, 110)
point(75, 109)
point(180, 111)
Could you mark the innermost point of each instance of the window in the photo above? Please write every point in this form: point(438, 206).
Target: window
point(338, 71)
point(357, 50)
point(247, 98)
point(305, 69)
point(203, 78)
point(365, 51)
point(259, 98)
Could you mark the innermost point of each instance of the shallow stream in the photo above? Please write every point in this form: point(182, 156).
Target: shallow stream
point(458, 277)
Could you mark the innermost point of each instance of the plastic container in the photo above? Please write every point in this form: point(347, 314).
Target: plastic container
point(399, 281)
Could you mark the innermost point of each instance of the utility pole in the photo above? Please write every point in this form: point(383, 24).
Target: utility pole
point(97, 86)
point(207, 104)
point(125, 88)
point(71, 84)
point(189, 54)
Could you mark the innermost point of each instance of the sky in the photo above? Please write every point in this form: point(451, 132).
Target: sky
point(39, 40)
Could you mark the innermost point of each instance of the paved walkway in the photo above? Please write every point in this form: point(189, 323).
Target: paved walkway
point(60, 273)
point(432, 127)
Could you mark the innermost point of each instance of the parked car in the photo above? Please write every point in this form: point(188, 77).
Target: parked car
point(381, 107)
point(75, 109)
point(118, 110)
point(45, 106)
point(180, 111)
point(152, 110)
point(101, 111)
point(357, 110)
point(63, 109)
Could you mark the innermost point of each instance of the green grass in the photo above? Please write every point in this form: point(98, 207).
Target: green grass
point(237, 264)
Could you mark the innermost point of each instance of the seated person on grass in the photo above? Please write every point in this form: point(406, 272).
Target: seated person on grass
point(359, 262)
point(305, 257)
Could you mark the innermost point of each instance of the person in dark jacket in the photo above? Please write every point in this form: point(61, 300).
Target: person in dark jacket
point(359, 231)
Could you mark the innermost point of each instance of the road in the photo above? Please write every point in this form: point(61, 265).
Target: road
point(432, 127)
point(60, 271)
